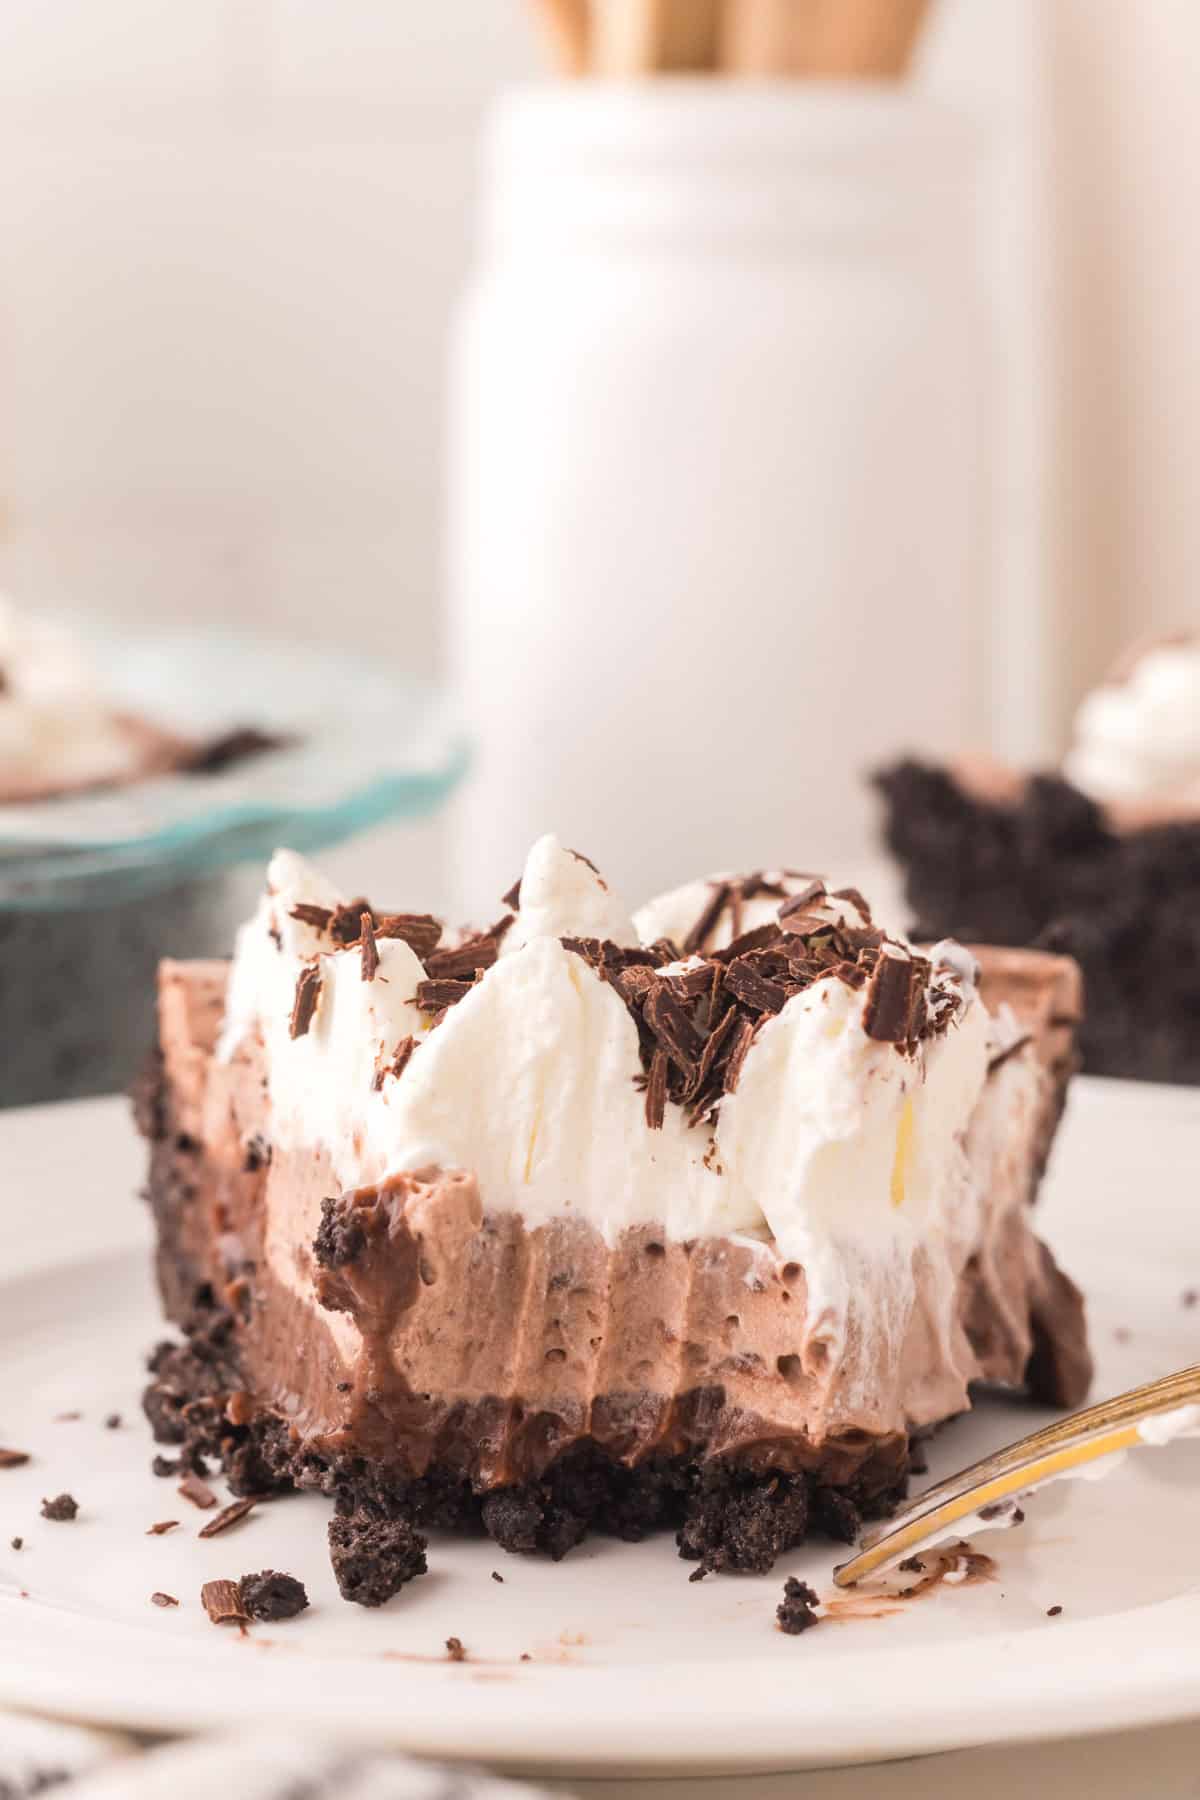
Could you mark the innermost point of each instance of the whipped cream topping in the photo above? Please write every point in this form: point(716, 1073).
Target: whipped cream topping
point(1137, 737)
point(58, 729)
point(839, 1151)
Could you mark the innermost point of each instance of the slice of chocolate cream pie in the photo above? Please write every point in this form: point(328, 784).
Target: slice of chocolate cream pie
point(693, 1219)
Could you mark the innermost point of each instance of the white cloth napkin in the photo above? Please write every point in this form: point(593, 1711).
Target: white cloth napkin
point(39, 1756)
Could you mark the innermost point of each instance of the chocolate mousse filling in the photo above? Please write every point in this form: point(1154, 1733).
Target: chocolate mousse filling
point(430, 1363)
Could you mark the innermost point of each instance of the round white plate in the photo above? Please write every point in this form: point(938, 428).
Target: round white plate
point(632, 1666)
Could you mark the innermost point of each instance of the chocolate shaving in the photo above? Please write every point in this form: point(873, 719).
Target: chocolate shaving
point(691, 983)
point(469, 958)
point(700, 1098)
point(805, 924)
point(229, 1515)
point(738, 1050)
point(161, 1528)
point(308, 914)
point(695, 1025)
point(706, 924)
point(856, 900)
point(589, 864)
point(800, 903)
point(222, 1602)
point(308, 992)
point(754, 989)
point(345, 924)
point(398, 1063)
point(887, 1015)
point(370, 950)
point(237, 745)
point(420, 931)
point(435, 996)
point(757, 939)
point(12, 1459)
point(197, 1491)
point(656, 1091)
point(161, 1599)
point(673, 1028)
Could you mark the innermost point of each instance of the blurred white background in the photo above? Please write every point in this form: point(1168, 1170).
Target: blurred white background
point(231, 232)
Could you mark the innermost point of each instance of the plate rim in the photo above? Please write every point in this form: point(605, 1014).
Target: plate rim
point(1139, 1666)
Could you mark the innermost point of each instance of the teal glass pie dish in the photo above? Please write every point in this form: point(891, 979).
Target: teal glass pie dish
point(96, 887)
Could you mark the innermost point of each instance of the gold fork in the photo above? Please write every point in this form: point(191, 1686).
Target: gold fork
point(1081, 1438)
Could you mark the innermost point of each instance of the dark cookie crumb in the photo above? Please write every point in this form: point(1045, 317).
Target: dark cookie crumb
point(455, 1650)
point(257, 1155)
point(62, 1508)
point(912, 1565)
point(529, 1520)
point(161, 1599)
point(738, 1521)
point(1189, 1297)
point(1048, 872)
point(374, 1554)
point(17, 1543)
point(340, 1237)
point(795, 1613)
point(496, 1575)
point(1052, 1612)
point(271, 1596)
point(164, 1465)
point(837, 1515)
point(113, 1422)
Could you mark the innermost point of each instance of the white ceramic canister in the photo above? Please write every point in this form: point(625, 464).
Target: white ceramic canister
point(714, 489)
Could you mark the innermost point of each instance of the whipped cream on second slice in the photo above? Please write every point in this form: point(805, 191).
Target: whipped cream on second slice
point(1137, 737)
point(58, 729)
point(836, 1150)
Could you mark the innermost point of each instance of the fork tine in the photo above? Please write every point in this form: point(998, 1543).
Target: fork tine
point(1081, 1438)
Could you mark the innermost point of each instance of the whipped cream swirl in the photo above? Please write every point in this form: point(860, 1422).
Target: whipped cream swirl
point(58, 729)
point(1137, 737)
